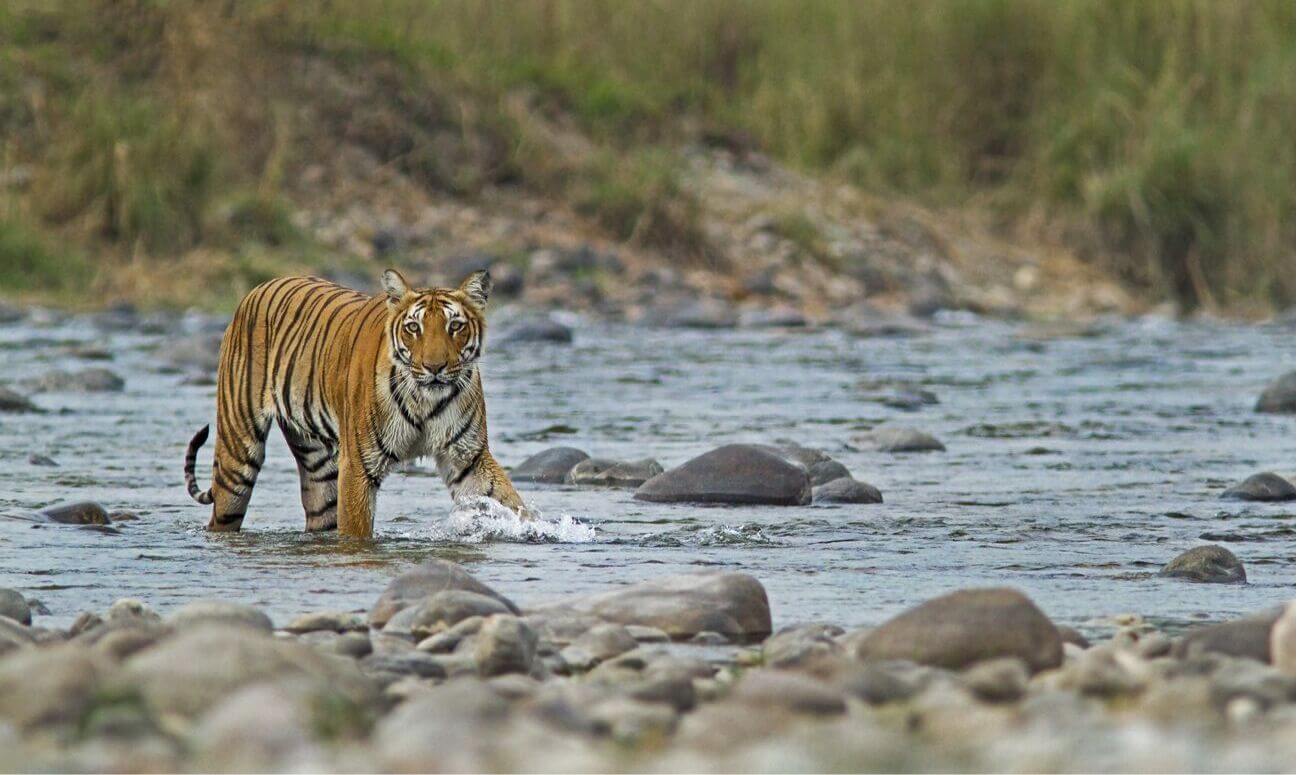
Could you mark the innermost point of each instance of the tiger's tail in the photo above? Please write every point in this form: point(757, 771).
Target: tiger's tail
point(204, 496)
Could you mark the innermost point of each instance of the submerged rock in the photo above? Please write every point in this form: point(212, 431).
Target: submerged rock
point(898, 439)
point(13, 402)
point(614, 473)
point(433, 576)
point(846, 490)
point(14, 606)
point(80, 513)
point(736, 473)
point(550, 466)
point(733, 604)
point(1265, 486)
point(41, 460)
point(1279, 396)
point(965, 627)
point(1212, 564)
point(537, 330)
point(82, 381)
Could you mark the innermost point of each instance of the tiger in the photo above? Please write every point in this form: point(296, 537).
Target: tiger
point(357, 384)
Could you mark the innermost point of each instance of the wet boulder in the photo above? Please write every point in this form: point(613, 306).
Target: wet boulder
point(1265, 486)
point(846, 489)
point(442, 610)
point(1248, 637)
point(79, 513)
point(1279, 396)
point(737, 474)
point(95, 380)
point(434, 576)
point(964, 627)
point(1210, 563)
point(614, 473)
point(733, 604)
point(899, 439)
point(14, 402)
point(550, 466)
point(14, 606)
point(826, 471)
point(221, 612)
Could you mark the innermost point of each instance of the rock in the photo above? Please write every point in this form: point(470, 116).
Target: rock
point(388, 668)
point(429, 578)
point(550, 466)
point(1249, 637)
point(53, 685)
point(772, 318)
point(131, 612)
point(846, 490)
point(801, 645)
point(736, 473)
point(1279, 396)
point(80, 513)
point(699, 313)
point(792, 691)
point(194, 669)
point(14, 606)
point(222, 612)
point(733, 604)
point(14, 636)
point(537, 330)
point(335, 621)
point(1282, 641)
point(1211, 563)
point(439, 611)
point(41, 460)
point(645, 634)
point(85, 622)
point(96, 380)
point(259, 728)
point(447, 640)
point(709, 638)
point(1071, 635)
point(628, 721)
point(449, 728)
point(1101, 672)
point(13, 402)
point(195, 353)
point(118, 642)
point(892, 439)
point(614, 473)
point(880, 683)
point(1262, 487)
point(825, 471)
point(997, 680)
point(353, 644)
point(505, 644)
point(965, 627)
point(602, 642)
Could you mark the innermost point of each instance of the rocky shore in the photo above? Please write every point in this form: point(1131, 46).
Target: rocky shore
point(681, 673)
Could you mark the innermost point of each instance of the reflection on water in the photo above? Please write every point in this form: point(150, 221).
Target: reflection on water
point(1075, 467)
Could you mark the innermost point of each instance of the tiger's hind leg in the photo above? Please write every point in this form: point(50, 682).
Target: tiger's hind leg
point(318, 476)
point(241, 449)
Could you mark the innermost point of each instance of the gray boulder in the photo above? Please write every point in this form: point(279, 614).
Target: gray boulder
point(736, 473)
point(897, 439)
point(733, 604)
point(95, 380)
point(1262, 487)
point(430, 578)
point(1248, 637)
point(1279, 396)
point(550, 466)
point(846, 490)
point(1212, 564)
point(221, 612)
point(53, 685)
point(504, 644)
point(443, 610)
point(825, 471)
point(80, 513)
point(193, 353)
point(614, 473)
point(795, 692)
point(14, 606)
point(537, 330)
point(964, 627)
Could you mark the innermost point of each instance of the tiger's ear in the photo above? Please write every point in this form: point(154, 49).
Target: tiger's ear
point(395, 286)
point(477, 287)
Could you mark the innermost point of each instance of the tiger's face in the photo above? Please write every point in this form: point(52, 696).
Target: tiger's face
point(436, 334)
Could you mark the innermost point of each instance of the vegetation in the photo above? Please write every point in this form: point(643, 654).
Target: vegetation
point(1155, 137)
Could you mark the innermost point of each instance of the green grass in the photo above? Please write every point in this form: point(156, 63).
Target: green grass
point(31, 261)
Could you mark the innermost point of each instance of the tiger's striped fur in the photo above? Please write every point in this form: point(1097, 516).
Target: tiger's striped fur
point(357, 384)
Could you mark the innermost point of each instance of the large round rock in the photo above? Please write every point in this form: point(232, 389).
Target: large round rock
point(1262, 487)
point(432, 577)
point(550, 466)
point(14, 606)
point(736, 473)
point(965, 627)
point(1279, 396)
point(1212, 564)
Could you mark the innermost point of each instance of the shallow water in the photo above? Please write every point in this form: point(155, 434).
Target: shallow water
point(1075, 467)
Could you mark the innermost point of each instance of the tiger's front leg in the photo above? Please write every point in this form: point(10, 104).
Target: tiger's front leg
point(478, 475)
point(358, 490)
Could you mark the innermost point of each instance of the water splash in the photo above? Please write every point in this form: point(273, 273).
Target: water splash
point(483, 520)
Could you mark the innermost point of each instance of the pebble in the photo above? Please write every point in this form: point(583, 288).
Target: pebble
point(1212, 564)
point(1262, 487)
point(504, 644)
point(733, 474)
point(550, 466)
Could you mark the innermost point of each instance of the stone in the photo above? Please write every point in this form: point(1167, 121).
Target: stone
point(1279, 396)
point(880, 683)
point(14, 606)
point(13, 402)
point(439, 611)
point(846, 490)
point(961, 628)
point(1071, 635)
point(735, 474)
point(598, 644)
point(258, 728)
point(794, 692)
point(52, 685)
point(447, 640)
point(353, 644)
point(388, 668)
point(199, 353)
point(42, 460)
point(1211, 564)
point(431, 577)
point(79, 513)
point(645, 634)
point(131, 612)
point(449, 728)
point(334, 621)
point(1248, 637)
point(825, 471)
point(997, 680)
point(898, 439)
point(733, 604)
point(550, 466)
point(1261, 487)
point(1282, 641)
point(93, 380)
point(801, 645)
point(1101, 672)
point(505, 644)
point(699, 313)
point(224, 612)
point(14, 636)
point(537, 330)
point(614, 473)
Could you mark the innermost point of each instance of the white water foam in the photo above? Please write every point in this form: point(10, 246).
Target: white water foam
point(483, 520)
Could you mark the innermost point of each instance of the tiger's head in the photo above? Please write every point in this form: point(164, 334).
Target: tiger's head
point(436, 334)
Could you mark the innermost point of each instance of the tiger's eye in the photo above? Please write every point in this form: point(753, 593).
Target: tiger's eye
point(455, 326)
point(412, 327)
